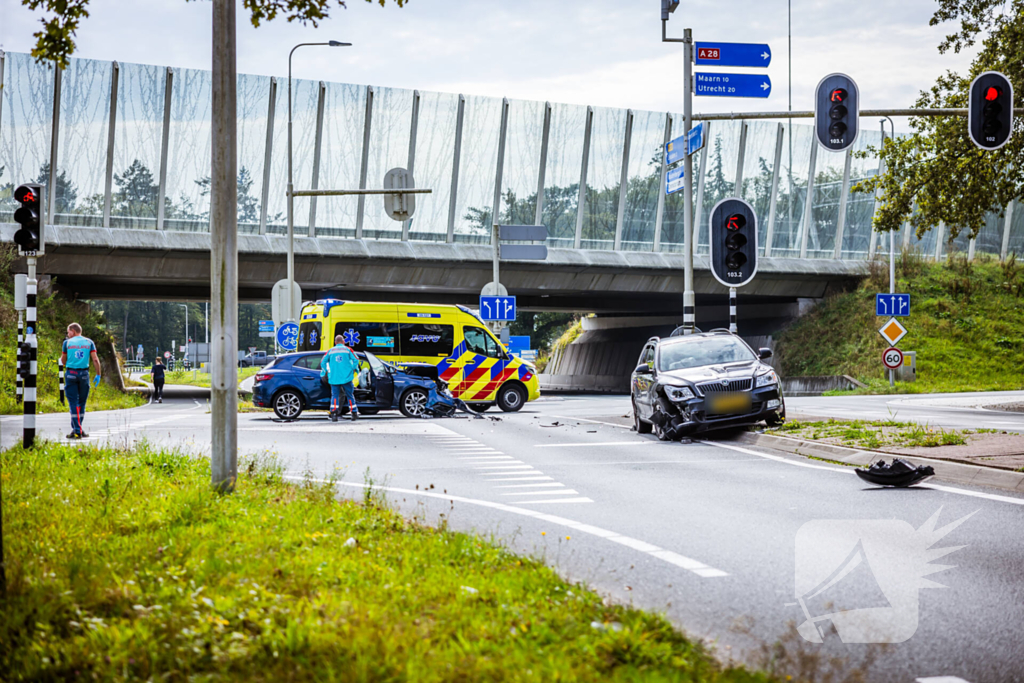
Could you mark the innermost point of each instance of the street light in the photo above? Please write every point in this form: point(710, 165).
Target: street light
point(291, 199)
point(185, 306)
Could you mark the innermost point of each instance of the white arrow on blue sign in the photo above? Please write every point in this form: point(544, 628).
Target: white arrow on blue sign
point(732, 85)
point(674, 180)
point(498, 308)
point(733, 54)
point(894, 305)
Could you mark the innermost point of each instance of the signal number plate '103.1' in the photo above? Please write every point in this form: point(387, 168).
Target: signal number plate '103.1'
point(725, 404)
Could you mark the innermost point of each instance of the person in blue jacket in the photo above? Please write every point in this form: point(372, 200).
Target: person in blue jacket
point(76, 354)
point(338, 366)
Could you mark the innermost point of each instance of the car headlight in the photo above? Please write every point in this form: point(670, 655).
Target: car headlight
point(766, 379)
point(678, 393)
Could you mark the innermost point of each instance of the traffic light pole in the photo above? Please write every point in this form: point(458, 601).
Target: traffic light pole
point(732, 310)
point(688, 297)
point(21, 340)
point(29, 403)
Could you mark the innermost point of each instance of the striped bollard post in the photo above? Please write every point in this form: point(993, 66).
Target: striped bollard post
point(732, 310)
point(20, 390)
point(60, 379)
point(29, 420)
point(689, 312)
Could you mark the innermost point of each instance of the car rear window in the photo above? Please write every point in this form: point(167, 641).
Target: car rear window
point(309, 362)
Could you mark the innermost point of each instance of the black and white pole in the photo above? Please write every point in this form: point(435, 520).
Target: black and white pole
point(29, 423)
point(20, 390)
point(60, 379)
point(732, 310)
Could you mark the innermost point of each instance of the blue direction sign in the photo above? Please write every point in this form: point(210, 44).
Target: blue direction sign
point(732, 85)
point(495, 308)
point(675, 150)
point(695, 138)
point(288, 336)
point(733, 54)
point(894, 305)
point(674, 180)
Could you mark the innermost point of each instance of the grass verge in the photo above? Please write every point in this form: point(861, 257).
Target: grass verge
point(876, 434)
point(123, 564)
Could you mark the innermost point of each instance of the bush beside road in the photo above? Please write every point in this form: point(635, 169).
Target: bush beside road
point(966, 325)
point(123, 564)
point(197, 378)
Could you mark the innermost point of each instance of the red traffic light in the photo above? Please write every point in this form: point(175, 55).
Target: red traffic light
point(838, 95)
point(25, 195)
point(992, 93)
point(735, 221)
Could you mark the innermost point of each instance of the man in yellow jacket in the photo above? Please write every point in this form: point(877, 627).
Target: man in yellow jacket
point(339, 366)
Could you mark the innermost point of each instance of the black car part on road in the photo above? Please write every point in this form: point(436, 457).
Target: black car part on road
point(899, 474)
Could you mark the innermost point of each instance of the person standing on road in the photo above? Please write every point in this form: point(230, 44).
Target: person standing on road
point(339, 365)
point(158, 380)
point(76, 354)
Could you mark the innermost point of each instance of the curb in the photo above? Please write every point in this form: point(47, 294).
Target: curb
point(953, 472)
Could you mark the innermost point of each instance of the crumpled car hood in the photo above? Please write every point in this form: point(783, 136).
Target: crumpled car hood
point(705, 373)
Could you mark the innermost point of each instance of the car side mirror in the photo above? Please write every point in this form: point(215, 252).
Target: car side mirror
point(764, 353)
point(643, 369)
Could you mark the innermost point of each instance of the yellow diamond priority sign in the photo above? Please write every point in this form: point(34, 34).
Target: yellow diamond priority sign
point(893, 331)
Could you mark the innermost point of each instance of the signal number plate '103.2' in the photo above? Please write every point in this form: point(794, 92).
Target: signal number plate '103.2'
point(725, 404)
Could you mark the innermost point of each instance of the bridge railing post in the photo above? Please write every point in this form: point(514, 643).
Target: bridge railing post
point(364, 161)
point(660, 215)
point(321, 93)
point(844, 199)
point(502, 132)
point(51, 191)
point(581, 203)
point(268, 154)
point(453, 199)
point(774, 197)
point(108, 177)
point(623, 180)
point(808, 219)
point(541, 172)
point(411, 163)
point(165, 138)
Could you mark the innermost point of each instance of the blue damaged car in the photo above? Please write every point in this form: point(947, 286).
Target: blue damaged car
point(292, 384)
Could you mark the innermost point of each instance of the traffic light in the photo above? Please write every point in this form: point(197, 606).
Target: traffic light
point(837, 112)
point(733, 231)
point(990, 111)
point(29, 237)
point(667, 7)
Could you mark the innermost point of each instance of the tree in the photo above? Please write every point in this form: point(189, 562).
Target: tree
point(936, 173)
point(67, 193)
point(248, 203)
point(56, 42)
point(136, 192)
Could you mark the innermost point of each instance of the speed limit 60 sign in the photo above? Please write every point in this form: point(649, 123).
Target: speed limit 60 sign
point(892, 358)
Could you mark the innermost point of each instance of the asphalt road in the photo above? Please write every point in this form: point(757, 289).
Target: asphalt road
point(713, 534)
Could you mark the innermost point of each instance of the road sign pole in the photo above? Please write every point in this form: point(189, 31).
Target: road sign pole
point(688, 298)
point(732, 310)
point(495, 255)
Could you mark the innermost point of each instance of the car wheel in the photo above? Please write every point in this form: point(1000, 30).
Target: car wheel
point(480, 407)
point(640, 426)
point(778, 419)
point(287, 404)
point(413, 402)
point(659, 431)
point(511, 398)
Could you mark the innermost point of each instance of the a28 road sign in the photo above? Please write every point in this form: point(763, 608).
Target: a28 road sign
point(732, 85)
point(733, 54)
point(892, 304)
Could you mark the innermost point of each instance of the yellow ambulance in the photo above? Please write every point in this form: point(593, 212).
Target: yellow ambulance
point(477, 367)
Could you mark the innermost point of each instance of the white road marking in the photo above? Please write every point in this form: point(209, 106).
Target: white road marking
point(489, 458)
point(525, 479)
point(524, 486)
point(566, 492)
point(849, 470)
point(941, 679)
point(597, 422)
point(525, 470)
point(513, 465)
point(554, 500)
point(600, 443)
point(702, 571)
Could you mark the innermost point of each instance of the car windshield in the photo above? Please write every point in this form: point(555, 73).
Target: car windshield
point(703, 351)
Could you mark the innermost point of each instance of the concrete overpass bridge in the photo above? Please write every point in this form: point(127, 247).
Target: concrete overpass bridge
point(116, 263)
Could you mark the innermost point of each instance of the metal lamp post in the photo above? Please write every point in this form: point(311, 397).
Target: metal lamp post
point(291, 199)
point(185, 306)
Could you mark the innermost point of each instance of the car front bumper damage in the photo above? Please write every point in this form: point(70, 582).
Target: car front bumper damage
point(691, 416)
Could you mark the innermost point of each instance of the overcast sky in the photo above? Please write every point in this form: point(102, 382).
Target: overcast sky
point(599, 52)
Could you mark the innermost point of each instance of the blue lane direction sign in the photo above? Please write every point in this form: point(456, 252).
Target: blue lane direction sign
point(288, 336)
point(733, 54)
point(266, 328)
point(674, 180)
point(732, 85)
point(894, 305)
point(498, 308)
point(675, 150)
point(695, 138)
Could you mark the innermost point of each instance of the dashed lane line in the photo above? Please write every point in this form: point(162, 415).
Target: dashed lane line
point(689, 564)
